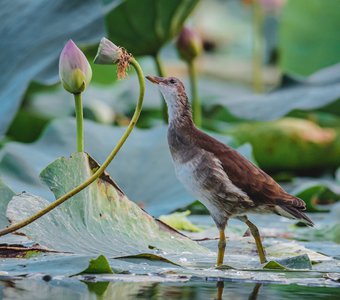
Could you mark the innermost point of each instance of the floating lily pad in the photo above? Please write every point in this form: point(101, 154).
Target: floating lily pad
point(100, 219)
point(99, 265)
point(292, 263)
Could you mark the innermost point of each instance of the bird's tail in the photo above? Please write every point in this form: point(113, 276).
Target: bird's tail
point(294, 213)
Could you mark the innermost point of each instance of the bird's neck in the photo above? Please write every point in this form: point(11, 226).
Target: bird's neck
point(179, 112)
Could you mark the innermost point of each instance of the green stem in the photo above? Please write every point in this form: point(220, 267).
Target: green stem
point(257, 47)
point(101, 170)
point(196, 103)
point(80, 122)
point(160, 72)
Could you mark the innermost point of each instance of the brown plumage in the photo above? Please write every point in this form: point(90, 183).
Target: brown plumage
point(223, 180)
point(259, 186)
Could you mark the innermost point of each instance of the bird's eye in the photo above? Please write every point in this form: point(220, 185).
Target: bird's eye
point(172, 81)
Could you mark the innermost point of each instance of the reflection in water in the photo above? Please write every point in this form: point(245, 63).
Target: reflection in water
point(220, 288)
point(255, 292)
point(252, 296)
point(72, 289)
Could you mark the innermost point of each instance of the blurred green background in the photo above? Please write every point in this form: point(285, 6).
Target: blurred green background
point(268, 76)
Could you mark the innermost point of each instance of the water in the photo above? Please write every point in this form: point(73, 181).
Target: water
point(72, 289)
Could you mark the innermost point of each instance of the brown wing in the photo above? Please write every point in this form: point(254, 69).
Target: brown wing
point(259, 186)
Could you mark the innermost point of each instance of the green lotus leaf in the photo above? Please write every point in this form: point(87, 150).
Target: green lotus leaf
point(6, 195)
point(100, 219)
point(180, 221)
point(32, 48)
point(291, 263)
point(303, 144)
point(143, 27)
point(99, 265)
point(309, 38)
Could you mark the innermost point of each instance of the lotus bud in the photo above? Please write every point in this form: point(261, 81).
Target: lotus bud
point(74, 70)
point(109, 53)
point(189, 44)
point(271, 5)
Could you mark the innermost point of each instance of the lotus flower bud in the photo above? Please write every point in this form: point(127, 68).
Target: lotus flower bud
point(271, 5)
point(108, 53)
point(189, 44)
point(74, 70)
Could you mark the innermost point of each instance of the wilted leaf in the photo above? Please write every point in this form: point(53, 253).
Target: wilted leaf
point(143, 27)
point(20, 251)
point(100, 219)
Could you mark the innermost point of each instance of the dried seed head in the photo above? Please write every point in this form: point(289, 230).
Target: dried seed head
point(109, 53)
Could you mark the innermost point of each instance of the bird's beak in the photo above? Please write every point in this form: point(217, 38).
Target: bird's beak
point(155, 79)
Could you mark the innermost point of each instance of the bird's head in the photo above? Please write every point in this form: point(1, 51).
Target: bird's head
point(174, 94)
point(170, 87)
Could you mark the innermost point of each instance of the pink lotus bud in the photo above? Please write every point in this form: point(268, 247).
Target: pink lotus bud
point(108, 53)
point(271, 5)
point(189, 44)
point(74, 70)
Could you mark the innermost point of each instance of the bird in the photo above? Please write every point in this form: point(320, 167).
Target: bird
point(224, 181)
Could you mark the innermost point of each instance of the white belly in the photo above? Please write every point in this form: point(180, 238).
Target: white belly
point(197, 184)
point(186, 175)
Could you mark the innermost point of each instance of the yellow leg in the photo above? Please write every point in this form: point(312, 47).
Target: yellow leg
point(221, 248)
point(256, 234)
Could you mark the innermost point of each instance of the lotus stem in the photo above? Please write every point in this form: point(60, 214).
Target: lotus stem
point(101, 170)
point(160, 72)
point(257, 47)
point(80, 122)
point(196, 103)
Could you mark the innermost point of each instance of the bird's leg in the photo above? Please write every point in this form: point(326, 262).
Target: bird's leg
point(221, 248)
point(256, 234)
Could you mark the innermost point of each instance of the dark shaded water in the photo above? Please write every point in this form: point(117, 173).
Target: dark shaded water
point(73, 289)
